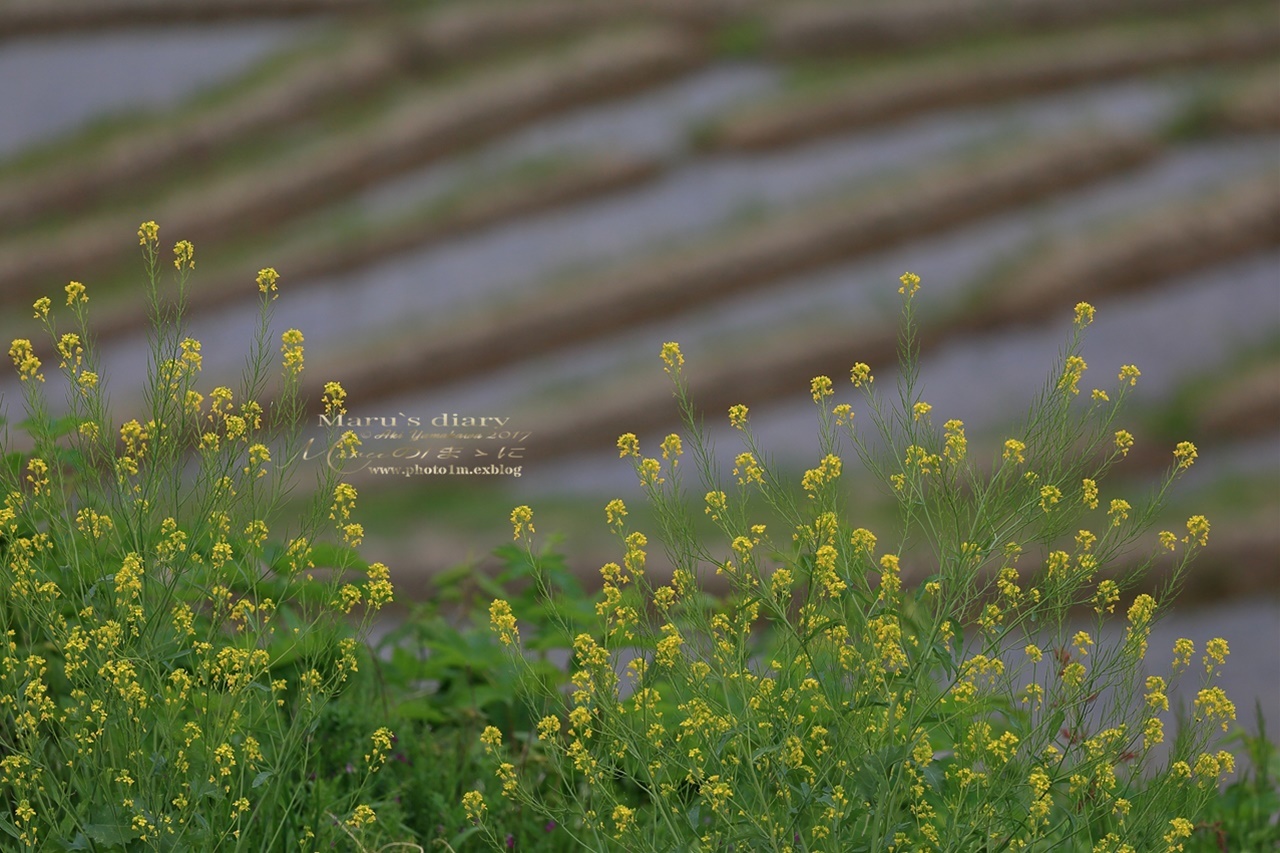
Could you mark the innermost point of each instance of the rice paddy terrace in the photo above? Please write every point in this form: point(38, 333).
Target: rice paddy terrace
point(504, 209)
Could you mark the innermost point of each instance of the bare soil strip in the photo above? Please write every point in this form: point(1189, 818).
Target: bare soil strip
point(470, 23)
point(392, 48)
point(1096, 58)
point(40, 17)
point(816, 28)
point(759, 257)
point(408, 137)
point(1155, 250)
point(1254, 108)
point(305, 262)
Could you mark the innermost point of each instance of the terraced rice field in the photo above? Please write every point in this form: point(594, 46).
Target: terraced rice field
point(505, 209)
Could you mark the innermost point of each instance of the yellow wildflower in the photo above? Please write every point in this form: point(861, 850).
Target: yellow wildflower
point(184, 255)
point(266, 281)
point(910, 284)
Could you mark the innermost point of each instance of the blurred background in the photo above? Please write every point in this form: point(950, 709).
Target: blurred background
point(500, 211)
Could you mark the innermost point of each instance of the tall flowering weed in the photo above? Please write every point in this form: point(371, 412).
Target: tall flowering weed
point(169, 644)
point(826, 702)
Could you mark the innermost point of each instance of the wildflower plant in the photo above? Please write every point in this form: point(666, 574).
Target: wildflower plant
point(826, 702)
point(169, 643)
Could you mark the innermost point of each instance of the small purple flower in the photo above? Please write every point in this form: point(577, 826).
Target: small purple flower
point(350, 767)
point(511, 841)
point(550, 827)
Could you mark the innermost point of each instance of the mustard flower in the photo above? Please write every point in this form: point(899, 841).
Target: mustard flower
point(1089, 493)
point(747, 470)
point(335, 397)
point(671, 447)
point(623, 818)
point(1119, 511)
point(1130, 373)
point(266, 281)
point(347, 445)
point(628, 445)
point(738, 416)
point(41, 307)
point(491, 737)
point(1106, 597)
point(820, 387)
point(148, 232)
point(548, 728)
point(184, 255)
point(1014, 451)
point(1212, 704)
point(1100, 396)
point(1142, 609)
point(1072, 370)
point(910, 284)
point(1049, 495)
point(1186, 454)
point(1084, 314)
point(614, 511)
point(920, 410)
point(76, 293)
point(860, 375)
point(956, 443)
point(1197, 529)
point(191, 354)
point(1183, 649)
point(1124, 441)
point(344, 498)
point(1152, 732)
point(522, 519)
point(503, 622)
point(863, 540)
point(1215, 653)
point(378, 590)
point(827, 471)
point(672, 357)
point(24, 359)
point(648, 470)
point(291, 348)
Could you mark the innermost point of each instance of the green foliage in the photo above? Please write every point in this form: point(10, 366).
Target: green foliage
point(826, 705)
point(183, 668)
point(171, 649)
point(1246, 815)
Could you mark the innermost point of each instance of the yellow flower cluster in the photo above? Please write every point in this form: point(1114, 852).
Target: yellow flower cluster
point(1072, 370)
point(503, 622)
point(956, 444)
point(335, 398)
point(184, 255)
point(826, 472)
point(628, 445)
point(672, 357)
point(291, 348)
point(266, 281)
point(24, 359)
point(1084, 314)
point(1014, 451)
